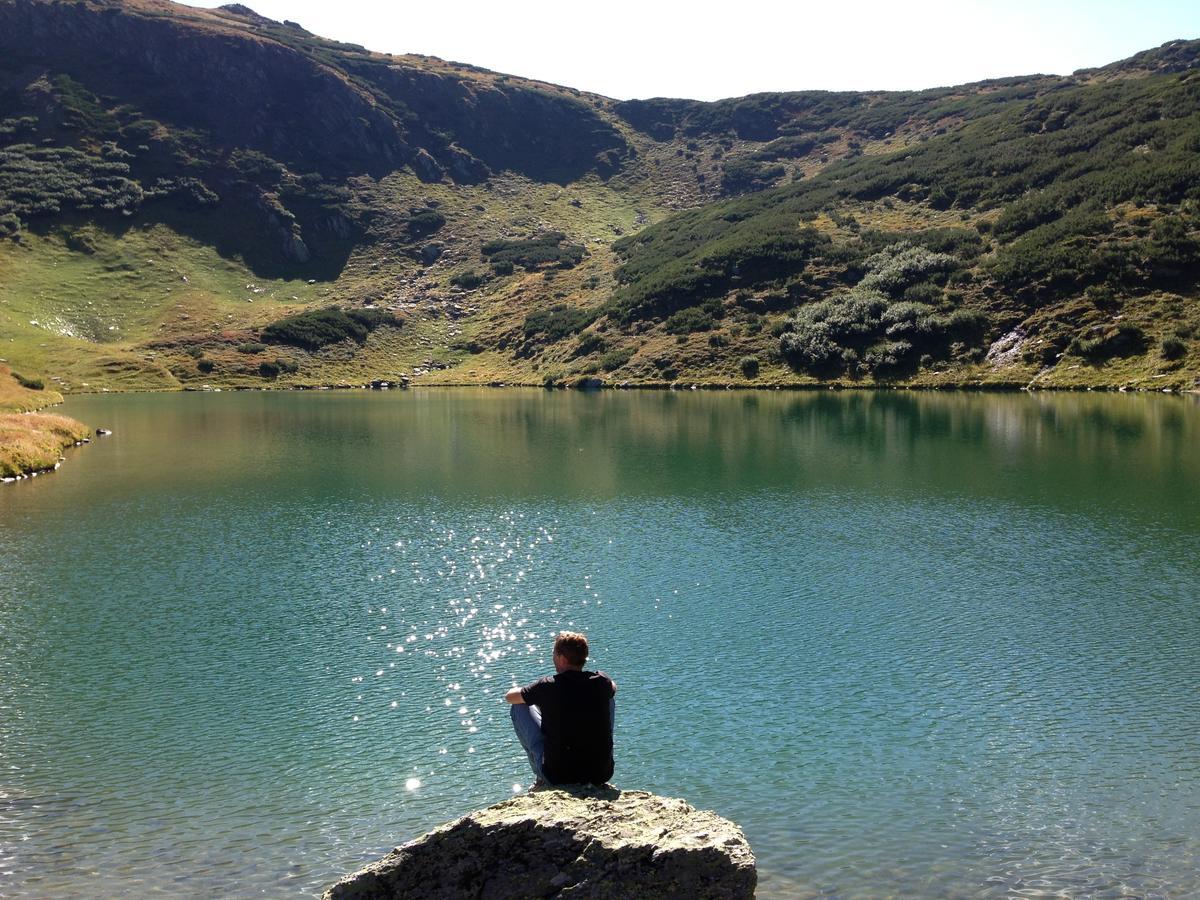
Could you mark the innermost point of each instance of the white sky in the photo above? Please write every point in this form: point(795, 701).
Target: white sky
point(705, 51)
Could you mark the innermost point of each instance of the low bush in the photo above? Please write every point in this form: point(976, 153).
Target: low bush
point(557, 322)
point(49, 180)
point(251, 347)
point(321, 327)
point(688, 320)
point(469, 280)
point(272, 369)
point(1172, 348)
point(864, 327)
point(742, 175)
point(425, 222)
point(589, 343)
point(895, 268)
point(749, 366)
point(614, 359)
point(33, 384)
point(531, 253)
point(1099, 344)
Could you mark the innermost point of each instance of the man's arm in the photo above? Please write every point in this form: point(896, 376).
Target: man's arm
point(514, 696)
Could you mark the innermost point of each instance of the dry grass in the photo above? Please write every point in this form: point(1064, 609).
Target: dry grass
point(15, 397)
point(31, 442)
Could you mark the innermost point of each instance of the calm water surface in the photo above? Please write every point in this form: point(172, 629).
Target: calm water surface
point(917, 645)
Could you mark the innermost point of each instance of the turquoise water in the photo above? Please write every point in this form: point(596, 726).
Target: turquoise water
point(917, 645)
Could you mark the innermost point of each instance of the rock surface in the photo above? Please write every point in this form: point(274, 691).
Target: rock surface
point(577, 842)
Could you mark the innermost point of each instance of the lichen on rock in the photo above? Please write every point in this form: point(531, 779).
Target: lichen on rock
point(568, 842)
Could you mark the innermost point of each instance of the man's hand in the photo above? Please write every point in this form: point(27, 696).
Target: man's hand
point(514, 696)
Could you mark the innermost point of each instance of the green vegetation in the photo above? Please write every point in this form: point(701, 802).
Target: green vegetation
point(557, 322)
point(425, 222)
point(469, 280)
point(900, 236)
point(272, 369)
point(615, 359)
point(548, 248)
point(321, 327)
point(864, 330)
point(23, 394)
point(38, 181)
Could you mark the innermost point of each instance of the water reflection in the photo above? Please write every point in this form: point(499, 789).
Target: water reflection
point(932, 644)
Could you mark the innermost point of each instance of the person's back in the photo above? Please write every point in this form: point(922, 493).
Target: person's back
point(565, 721)
point(576, 726)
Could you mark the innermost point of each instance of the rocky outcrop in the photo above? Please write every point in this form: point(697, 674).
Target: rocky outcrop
point(581, 842)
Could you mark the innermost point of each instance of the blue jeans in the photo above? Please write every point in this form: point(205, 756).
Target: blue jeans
point(527, 722)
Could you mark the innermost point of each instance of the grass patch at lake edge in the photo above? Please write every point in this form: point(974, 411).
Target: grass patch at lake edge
point(30, 441)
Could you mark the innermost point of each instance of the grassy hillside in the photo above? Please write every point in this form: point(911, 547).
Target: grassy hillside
point(194, 198)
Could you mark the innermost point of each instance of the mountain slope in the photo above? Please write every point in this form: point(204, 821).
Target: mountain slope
point(178, 185)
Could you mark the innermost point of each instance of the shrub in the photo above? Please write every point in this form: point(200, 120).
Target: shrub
point(1172, 348)
point(557, 322)
point(1105, 343)
point(614, 359)
point(589, 343)
point(425, 222)
point(469, 280)
point(887, 356)
point(865, 326)
point(268, 369)
point(49, 180)
point(204, 366)
point(33, 384)
point(749, 366)
point(531, 253)
point(371, 319)
point(811, 348)
point(894, 268)
point(739, 176)
point(688, 320)
point(251, 347)
point(319, 328)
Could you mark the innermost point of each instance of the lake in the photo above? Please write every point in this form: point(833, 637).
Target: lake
point(915, 644)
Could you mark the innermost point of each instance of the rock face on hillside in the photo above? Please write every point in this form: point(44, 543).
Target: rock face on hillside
point(595, 843)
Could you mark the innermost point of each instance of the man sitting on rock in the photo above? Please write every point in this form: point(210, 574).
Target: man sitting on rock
point(565, 722)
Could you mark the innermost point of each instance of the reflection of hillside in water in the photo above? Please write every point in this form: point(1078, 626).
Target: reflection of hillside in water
point(454, 443)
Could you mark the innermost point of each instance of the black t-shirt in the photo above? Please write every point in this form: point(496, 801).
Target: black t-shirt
point(575, 725)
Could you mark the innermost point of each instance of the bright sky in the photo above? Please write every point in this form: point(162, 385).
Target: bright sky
point(647, 48)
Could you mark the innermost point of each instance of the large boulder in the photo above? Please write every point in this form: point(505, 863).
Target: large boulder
point(575, 842)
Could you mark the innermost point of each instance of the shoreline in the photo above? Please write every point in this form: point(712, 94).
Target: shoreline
point(680, 386)
point(32, 441)
point(32, 444)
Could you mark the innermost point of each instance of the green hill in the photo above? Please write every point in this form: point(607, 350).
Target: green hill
point(207, 197)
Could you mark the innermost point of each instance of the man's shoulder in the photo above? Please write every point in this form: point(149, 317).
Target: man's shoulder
point(599, 677)
point(539, 682)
